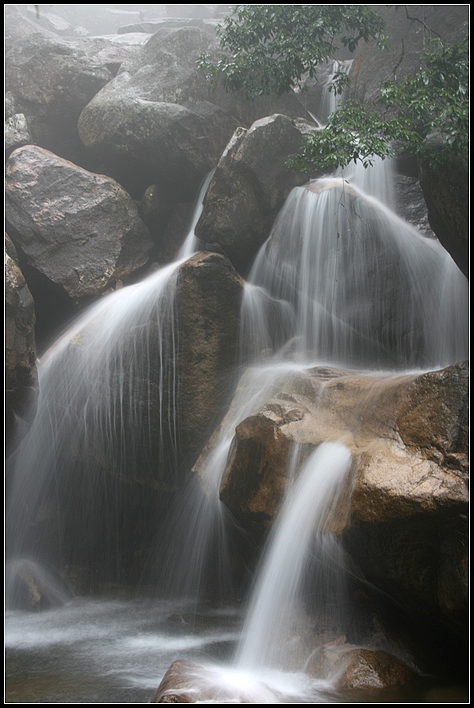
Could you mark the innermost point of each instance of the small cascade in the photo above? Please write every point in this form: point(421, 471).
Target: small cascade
point(191, 242)
point(197, 563)
point(106, 419)
point(366, 289)
point(106, 414)
point(302, 529)
point(330, 100)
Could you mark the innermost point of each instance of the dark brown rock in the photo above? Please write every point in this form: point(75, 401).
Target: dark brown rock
point(81, 230)
point(208, 298)
point(20, 346)
point(446, 191)
point(249, 186)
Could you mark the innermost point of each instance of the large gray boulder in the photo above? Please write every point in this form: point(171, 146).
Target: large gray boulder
point(158, 116)
point(20, 345)
point(158, 121)
point(53, 78)
point(81, 230)
point(249, 186)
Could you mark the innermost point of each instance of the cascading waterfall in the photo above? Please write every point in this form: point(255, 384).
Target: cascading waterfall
point(366, 289)
point(106, 416)
point(341, 280)
point(98, 414)
point(303, 524)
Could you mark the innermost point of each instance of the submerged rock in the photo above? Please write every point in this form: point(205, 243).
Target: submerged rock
point(81, 230)
point(187, 682)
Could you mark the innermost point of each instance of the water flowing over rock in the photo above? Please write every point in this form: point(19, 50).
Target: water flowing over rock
point(249, 187)
point(186, 682)
point(410, 439)
point(175, 334)
point(20, 346)
point(81, 230)
point(317, 545)
point(369, 298)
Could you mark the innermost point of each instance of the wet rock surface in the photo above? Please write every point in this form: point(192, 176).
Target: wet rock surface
point(208, 298)
point(352, 667)
point(405, 521)
point(81, 230)
point(20, 344)
point(186, 682)
point(249, 186)
point(446, 191)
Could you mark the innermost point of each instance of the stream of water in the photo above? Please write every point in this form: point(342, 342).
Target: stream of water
point(341, 281)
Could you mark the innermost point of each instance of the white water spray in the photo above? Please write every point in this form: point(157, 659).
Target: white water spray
point(302, 528)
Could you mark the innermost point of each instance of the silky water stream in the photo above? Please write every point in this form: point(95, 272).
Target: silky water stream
point(342, 281)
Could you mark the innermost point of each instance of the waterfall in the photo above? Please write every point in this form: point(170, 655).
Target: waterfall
point(106, 417)
point(365, 288)
point(330, 100)
point(303, 525)
point(340, 281)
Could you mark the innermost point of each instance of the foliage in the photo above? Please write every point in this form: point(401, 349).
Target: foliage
point(435, 101)
point(270, 48)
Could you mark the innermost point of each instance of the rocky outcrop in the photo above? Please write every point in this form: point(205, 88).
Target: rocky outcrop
point(157, 116)
point(208, 297)
point(81, 230)
point(20, 346)
point(249, 186)
point(53, 79)
point(446, 191)
point(405, 521)
point(409, 508)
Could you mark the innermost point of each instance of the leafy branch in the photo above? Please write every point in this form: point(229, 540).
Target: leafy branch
point(433, 101)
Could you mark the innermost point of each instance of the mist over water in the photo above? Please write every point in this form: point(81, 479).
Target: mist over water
point(341, 281)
